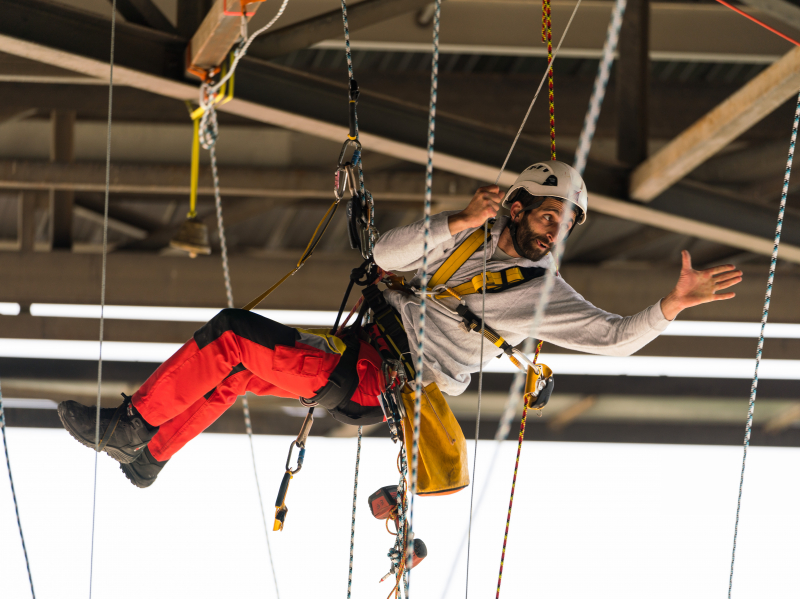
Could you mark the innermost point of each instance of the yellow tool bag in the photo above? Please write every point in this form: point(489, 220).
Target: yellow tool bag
point(442, 466)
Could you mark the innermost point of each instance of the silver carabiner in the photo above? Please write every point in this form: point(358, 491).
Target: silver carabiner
point(348, 143)
point(340, 183)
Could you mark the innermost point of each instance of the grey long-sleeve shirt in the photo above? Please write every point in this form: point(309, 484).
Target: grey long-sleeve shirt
point(451, 353)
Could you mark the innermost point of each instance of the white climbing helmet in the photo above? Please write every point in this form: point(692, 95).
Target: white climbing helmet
point(553, 179)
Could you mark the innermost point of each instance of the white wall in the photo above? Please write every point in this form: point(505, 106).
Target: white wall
point(590, 521)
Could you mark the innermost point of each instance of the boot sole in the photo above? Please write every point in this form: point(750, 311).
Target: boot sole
point(135, 480)
point(117, 454)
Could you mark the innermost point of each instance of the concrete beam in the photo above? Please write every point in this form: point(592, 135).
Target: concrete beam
point(633, 83)
point(62, 151)
point(679, 32)
point(173, 179)
point(718, 128)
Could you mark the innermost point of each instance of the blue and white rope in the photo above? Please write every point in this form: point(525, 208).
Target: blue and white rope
point(14, 493)
point(600, 85)
point(353, 520)
point(423, 283)
point(349, 56)
point(764, 317)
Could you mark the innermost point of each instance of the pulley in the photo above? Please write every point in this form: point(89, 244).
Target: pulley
point(192, 238)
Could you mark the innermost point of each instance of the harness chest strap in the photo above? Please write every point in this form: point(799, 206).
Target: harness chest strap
point(495, 281)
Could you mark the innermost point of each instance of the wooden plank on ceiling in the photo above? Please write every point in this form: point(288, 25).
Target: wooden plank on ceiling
point(217, 34)
point(758, 98)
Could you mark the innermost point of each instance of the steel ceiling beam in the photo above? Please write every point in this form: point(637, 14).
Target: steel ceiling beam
point(758, 98)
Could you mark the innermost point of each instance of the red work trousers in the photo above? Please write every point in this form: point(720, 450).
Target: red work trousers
point(235, 352)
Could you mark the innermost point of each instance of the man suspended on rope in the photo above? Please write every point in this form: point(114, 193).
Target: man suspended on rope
point(239, 351)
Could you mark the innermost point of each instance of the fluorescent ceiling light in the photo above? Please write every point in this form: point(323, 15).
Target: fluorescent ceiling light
point(703, 328)
point(714, 368)
point(298, 317)
point(9, 309)
point(113, 351)
point(30, 404)
point(651, 366)
point(679, 328)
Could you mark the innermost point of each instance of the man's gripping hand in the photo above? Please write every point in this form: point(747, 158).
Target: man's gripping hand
point(697, 287)
point(483, 206)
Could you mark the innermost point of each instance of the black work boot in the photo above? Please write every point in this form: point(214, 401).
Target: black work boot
point(143, 471)
point(123, 432)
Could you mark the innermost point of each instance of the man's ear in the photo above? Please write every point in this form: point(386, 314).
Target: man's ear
point(516, 210)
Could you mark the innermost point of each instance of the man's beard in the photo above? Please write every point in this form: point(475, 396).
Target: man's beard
point(525, 239)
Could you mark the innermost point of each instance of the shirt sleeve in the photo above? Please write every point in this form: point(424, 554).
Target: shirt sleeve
point(574, 323)
point(401, 249)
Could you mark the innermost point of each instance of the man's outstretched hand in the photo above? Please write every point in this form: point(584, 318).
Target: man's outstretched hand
point(697, 287)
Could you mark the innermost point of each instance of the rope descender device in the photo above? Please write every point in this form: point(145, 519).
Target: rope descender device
point(391, 399)
point(538, 386)
point(300, 442)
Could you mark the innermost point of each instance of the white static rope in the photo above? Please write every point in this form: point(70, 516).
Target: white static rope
point(764, 317)
point(600, 85)
point(103, 285)
point(483, 291)
point(208, 139)
point(423, 285)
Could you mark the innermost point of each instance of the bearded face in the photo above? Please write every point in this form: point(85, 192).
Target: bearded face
point(532, 246)
point(537, 229)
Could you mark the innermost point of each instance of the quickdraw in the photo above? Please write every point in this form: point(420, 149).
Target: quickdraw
point(300, 442)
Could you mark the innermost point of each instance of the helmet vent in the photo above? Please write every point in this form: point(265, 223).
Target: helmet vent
point(551, 181)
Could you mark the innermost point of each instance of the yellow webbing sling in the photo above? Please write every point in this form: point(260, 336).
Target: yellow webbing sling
point(457, 259)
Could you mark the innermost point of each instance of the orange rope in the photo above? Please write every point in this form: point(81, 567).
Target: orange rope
point(514, 481)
